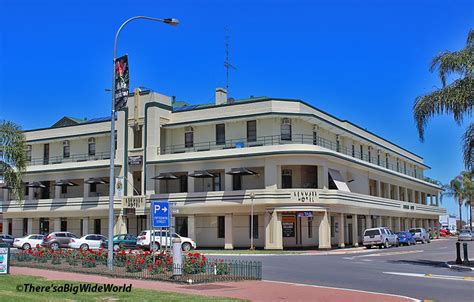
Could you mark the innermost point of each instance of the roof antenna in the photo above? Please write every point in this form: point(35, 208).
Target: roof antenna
point(227, 65)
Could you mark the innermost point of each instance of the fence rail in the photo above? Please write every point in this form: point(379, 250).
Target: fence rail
point(69, 159)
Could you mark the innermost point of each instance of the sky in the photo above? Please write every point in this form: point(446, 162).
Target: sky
point(364, 61)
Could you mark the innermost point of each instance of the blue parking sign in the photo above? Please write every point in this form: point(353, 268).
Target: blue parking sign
point(160, 213)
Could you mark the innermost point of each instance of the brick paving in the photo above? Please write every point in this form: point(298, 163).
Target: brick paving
point(250, 290)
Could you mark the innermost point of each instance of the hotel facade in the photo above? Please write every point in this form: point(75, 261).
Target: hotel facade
point(313, 180)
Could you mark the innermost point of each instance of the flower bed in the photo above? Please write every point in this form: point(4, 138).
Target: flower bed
point(196, 268)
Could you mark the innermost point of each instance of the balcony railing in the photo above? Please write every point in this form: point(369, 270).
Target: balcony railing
point(294, 139)
point(70, 159)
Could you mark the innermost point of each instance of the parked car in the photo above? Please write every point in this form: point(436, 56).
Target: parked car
point(56, 240)
point(444, 232)
point(88, 242)
point(8, 239)
point(123, 241)
point(144, 238)
point(406, 238)
point(420, 234)
point(381, 237)
point(465, 235)
point(28, 241)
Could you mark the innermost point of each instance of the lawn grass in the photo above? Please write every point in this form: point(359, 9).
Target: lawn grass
point(9, 283)
point(250, 252)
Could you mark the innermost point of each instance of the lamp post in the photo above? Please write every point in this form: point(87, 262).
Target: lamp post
point(110, 255)
point(252, 196)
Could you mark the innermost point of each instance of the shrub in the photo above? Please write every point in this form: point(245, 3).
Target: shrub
point(194, 263)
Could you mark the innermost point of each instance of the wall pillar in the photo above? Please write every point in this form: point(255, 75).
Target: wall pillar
point(341, 230)
point(389, 191)
point(273, 231)
point(228, 180)
point(379, 221)
point(323, 179)
point(379, 188)
point(431, 200)
point(191, 182)
point(192, 227)
point(271, 175)
point(368, 222)
point(397, 192)
point(413, 224)
point(86, 189)
point(29, 226)
point(57, 191)
point(6, 226)
point(57, 224)
point(355, 231)
point(324, 232)
point(390, 222)
point(229, 232)
point(85, 226)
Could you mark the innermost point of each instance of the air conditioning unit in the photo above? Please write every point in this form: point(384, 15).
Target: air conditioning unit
point(286, 121)
point(188, 129)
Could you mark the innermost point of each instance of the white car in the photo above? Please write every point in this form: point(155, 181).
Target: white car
point(28, 241)
point(382, 237)
point(144, 238)
point(88, 242)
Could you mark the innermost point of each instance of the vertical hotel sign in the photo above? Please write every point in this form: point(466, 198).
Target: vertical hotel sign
point(122, 82)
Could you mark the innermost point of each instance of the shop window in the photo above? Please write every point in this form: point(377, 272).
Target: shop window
point(188, 137)
point(183, 184)
point(286, 179)
point(255, 226)
point(285, 129)
point(220, 226)
point(63, 225)
point(220, 134)
point(251, 131)
point(66, 149)
point(91, 147)
point(25, 226)
point(97, 226)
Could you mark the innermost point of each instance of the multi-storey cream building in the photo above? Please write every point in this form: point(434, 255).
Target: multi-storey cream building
point(314, 180)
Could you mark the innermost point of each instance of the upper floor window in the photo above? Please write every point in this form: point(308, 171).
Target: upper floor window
point(353, 151)
point(285, 129)
point(370, 154)
point(66, 149)
point(220, 134)
point(28, 152)
point(251, 131)
point(378, 158)
point(405, 167)
point(45, 154)
point(137, 136)
point(188, 137)
point(286, 179)
point(91, 146)
point(398, 165)
point(386, 160)
point(361, 152)
point(338, 144)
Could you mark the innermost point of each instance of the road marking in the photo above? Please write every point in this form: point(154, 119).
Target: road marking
point(431, 276)
point(385, 254)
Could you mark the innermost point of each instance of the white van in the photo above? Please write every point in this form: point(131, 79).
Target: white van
point(381, 237)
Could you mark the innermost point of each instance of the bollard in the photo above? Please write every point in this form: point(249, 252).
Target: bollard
point(466, 258)
point(458, 253)
point(177, 258)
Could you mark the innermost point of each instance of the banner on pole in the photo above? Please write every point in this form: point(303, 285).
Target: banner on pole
point(119, 187)
point(122, 82)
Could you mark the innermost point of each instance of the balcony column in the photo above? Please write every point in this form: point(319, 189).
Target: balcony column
point(191, 182)
point(368, 222)
point(229, 238)
point(389, 191)
point(228, 180)
point(57, 224)
point(271, 175)
point(192, 227)
point(397, 193)
point(31, 193)
point(341, 230)
point(431, 200)
point(406, 194)
point(379, 188)
point(87, 189)
point(323, 179)
point(57, 191)
point(355, 231)
point(6, 226)
point(324, 231)
point(29, 226)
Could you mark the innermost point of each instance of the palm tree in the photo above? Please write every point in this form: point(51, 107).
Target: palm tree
point(12, 157)
point(456, 98)
point(456, 190)
point(468, 186)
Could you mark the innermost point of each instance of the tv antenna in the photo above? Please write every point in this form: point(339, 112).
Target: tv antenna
point(227, 64)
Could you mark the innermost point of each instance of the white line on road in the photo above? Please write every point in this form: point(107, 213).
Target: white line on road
point(385, 254)
point(444, 277)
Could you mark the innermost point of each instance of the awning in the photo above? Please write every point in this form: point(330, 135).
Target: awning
point(338, 180)
point(165, 176)
point(240, 171)
point(201, 174)
point(35, 184)
point(96, 181)
point(5, 188)
point(65, 183)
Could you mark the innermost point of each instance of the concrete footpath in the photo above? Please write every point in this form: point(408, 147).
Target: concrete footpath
point(250, 290)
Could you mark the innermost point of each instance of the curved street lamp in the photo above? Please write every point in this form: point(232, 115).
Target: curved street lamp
point(110, 254)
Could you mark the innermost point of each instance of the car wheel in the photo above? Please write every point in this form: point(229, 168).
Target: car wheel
point(26, 246)
point(84, 247)
point(368, 247)
point(386, 245)
point(186, 246)
point(423, 240)
point(54, 246)
point(154, 247)
point(116, 247)
point(398, 243)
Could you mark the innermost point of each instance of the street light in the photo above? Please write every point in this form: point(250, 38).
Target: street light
point(252, 196)
point(110, 255)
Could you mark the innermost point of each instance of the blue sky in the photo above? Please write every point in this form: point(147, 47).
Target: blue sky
point(365, 61)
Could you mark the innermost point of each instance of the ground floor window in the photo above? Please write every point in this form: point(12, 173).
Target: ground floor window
point(63, 225)
point(97, 226)
point(182, 226)
point(44, 226)
point(221, 227)
point(255, 226)
point(25, 226)
point(141, 223)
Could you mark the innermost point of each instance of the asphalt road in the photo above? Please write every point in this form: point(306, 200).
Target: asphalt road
point(399, 271)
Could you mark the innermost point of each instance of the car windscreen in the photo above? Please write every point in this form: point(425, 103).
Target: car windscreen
point(142, 234)
point(371, 232)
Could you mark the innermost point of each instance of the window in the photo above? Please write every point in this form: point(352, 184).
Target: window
point(183, 184)
point(66, 150)
point(255, 226)
point(370, 155)
point(91, 146)
point(216, 180)
point(398, 165)
point(386, 160)
point(45, 154)
point(188, 137)
point(63, 225)
point(63, 189)
point(353, 151)
point(333, 226)
point(96, 226)
point(315, 138)
point(332, 184)
point(137, 136)
point(405, 167)
point(44, 225)
point(27, 189)
point(220, 226)
point(93, 188)
point(25, 226)
point(285, 129)
point(236, 182)
point(378, 158)
point(28, 152)
point(338, 144)
point(310, 227)
point(361, 152)
point(286, 179)
point(251, 131)
point(220, 134)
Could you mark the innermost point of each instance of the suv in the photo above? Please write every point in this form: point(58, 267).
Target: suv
point(144, 238)
point(420, 234)
point(56, 240)
point(382, 237)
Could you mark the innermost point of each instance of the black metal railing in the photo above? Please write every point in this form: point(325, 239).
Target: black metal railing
point(72, 158)
point(307, 139)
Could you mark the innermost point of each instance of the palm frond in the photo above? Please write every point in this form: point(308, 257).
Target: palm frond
point(468, 148)
point(458, 62)
point(470, 38)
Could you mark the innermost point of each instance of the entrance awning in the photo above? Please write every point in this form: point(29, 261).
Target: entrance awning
point(241, 171)
point(165, 176)
point(65, 183)
point(96, 181)
point(201, 174)
point(338, 180)
point(35, 184)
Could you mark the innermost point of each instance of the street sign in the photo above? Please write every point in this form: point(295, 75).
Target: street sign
point(4, 259)
point(160, 214)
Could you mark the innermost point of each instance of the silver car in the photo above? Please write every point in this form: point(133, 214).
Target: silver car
point(381, 237)
point(465, 235)
point(420, 234)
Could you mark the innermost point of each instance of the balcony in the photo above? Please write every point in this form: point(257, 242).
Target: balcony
point(272, 140)
point(71, 159)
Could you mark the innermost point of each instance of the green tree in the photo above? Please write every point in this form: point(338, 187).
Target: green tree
point(12, 157)
point(468, 186)
point(455, 98)
point(457, 189)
